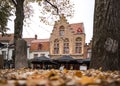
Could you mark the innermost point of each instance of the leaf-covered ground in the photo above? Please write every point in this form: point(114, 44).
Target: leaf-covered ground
point(30, 77)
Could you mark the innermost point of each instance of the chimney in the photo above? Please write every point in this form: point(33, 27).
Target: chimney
point(35, 36)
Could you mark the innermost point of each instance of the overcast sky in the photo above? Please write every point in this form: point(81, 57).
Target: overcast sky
point(84, 11)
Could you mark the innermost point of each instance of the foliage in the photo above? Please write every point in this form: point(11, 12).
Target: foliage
point(28, 14)
point(5, 13)
point(49, 10)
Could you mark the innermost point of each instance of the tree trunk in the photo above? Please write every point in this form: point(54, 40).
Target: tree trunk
point(19, 57)
point(1, 61)
point(106, 35)
point(21, 54)
point(19, 20)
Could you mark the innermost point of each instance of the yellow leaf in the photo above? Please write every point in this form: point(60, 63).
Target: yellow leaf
point(65, 71)
point(87, 80)
point(78, 74)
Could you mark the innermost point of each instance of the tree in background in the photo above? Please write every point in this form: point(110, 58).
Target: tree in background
point(106, 35)
point(51, 7)
point(5, 13)
point(50, 10)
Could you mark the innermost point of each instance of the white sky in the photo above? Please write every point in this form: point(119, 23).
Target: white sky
point(84, 11)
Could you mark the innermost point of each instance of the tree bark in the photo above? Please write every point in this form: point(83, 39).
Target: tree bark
point(1, 61)
point(19, 57)
point(21, 54)
point(19, 20)
point(106, 35)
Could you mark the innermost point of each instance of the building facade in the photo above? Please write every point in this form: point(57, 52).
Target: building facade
point(6, 50)
point(67, 39)
point(35, 47)
point(39, 47)
point(88, 50)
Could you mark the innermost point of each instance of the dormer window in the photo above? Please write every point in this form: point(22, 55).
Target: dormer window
point(61, 31)
point(79, 30)
point(39, 46)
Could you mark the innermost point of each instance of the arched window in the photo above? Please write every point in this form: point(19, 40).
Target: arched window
point(78, 45)
point(40, 46)
point(61, 30)
point(66, 46)
point(56, 46)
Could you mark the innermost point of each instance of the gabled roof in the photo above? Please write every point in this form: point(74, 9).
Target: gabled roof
point(40, 40)
point(77, 27)
point(6, 38)
point(40, 45)
point(29, 40)
point(10, 38)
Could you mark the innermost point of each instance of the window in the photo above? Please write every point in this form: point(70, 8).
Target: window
point(66, 46)
point(4, 54)
point(79, 30)
point(78, 47)
point(39, 46)
point(56, 46)
point(89, 53)
point(61, 31)
point(35, 55)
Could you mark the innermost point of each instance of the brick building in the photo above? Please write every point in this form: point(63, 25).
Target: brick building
point(39, 47)
point(67, 39)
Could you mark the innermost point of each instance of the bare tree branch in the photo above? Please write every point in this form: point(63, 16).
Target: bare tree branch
point(14, 2)
point(53, 6)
